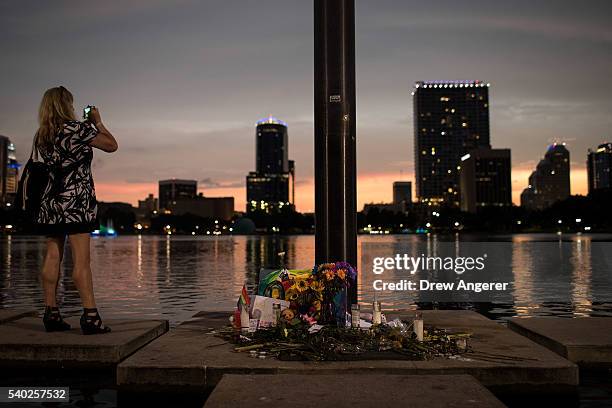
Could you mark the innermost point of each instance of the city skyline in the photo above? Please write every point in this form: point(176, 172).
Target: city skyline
point(173, 81)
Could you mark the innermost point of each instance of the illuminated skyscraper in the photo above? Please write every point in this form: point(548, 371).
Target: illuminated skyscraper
point(9, 171)
point(599, 168)
point(451, 118)
point(268, 187)
point(271, 146)
point(550, 181)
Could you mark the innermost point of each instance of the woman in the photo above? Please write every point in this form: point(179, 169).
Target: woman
point(68, 206)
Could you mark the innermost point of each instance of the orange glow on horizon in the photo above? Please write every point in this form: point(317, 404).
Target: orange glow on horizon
point(371, 188)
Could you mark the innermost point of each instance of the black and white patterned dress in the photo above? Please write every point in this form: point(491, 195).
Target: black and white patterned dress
point(69, 203)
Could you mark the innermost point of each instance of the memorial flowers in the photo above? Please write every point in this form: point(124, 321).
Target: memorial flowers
point(319, 295)
point(294, 339)
point(302, 314)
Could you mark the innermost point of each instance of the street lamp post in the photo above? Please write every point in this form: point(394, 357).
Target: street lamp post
point(334, 133)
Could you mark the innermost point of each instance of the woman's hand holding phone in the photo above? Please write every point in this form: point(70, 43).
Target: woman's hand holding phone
point(94, 115)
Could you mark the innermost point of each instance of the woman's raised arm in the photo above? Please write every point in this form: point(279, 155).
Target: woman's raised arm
point(104, 140)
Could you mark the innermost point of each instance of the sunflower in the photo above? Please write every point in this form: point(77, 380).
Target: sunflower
point(341, 273)
point(329, 275)
point(292, 295)
point(301, 285)
point(317, 286)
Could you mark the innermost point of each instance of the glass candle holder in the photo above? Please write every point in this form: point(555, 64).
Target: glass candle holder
point(355, 315)
point(376, 313)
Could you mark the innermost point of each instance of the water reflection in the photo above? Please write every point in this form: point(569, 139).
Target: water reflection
point(522, 266)
point(581, 277)
point(175, 276)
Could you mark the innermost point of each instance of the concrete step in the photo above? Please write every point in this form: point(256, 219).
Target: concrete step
point(8, 315)
point(585, 341)
point(188, 357)
point(339, 391)
point(24, 343)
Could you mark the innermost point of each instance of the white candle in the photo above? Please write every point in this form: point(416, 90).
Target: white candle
point(244, 318)
point(376, 313)
point(417, 326)
point(355, 315)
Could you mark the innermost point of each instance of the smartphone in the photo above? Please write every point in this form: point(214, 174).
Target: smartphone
point(86, 111)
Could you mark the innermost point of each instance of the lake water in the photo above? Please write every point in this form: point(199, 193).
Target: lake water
point(173, 277)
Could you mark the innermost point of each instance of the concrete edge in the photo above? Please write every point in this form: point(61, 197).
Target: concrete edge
point(539, 338)
point(18, 315)
point(136, 344)
point(96, 356)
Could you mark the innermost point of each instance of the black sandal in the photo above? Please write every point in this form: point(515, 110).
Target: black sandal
point(91, 322)
point(53, 320)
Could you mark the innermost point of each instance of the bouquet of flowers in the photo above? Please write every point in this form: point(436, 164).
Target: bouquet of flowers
point(317, 295)
point(335, 278)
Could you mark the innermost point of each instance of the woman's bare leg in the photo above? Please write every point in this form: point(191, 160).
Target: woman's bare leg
point(81, 273)
point(51, 268)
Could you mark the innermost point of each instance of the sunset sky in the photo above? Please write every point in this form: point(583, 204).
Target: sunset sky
point(181, 84)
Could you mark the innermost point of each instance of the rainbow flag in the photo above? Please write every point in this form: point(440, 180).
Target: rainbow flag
point(243, 300)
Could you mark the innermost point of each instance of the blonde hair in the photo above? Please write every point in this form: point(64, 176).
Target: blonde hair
point(55, 109)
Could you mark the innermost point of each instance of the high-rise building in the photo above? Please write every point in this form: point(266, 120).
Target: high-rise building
point(174, 189)
point(9, 171)
point(485, 179)
point(220, 208)
point(451, 118)
point(271, 185)
point(271, 146)
point(149, 205)
point(402, 193)
point(599, 168)
point(550, 181)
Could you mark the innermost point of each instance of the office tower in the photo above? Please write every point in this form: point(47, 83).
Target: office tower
point(402, 194)
point(218, 208)
point(485, 179)
point(451, 118)
point(9, 171)
point(148, 205)
point(268, 187)
point(599, 163)
point(172, 190)
point(550, 181)
point(271, 146)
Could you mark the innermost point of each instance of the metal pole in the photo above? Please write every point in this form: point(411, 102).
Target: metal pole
point(334, 127)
